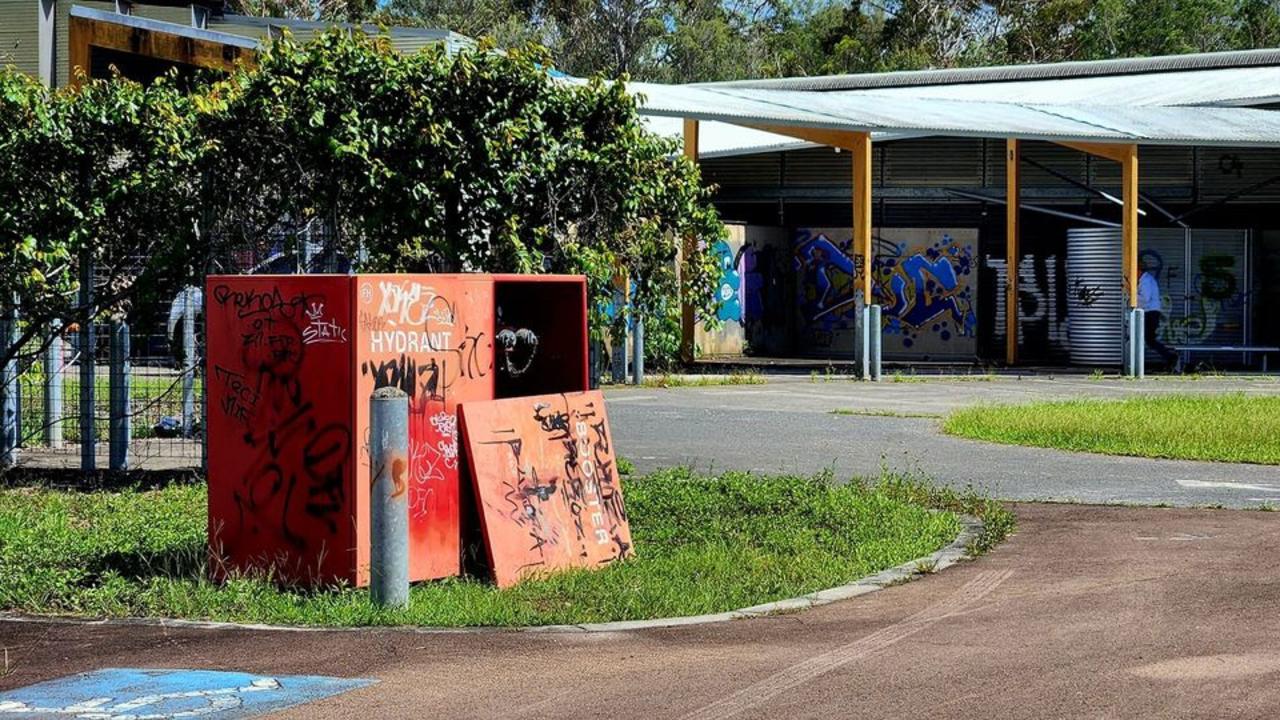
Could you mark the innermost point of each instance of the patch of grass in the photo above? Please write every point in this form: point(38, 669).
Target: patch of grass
point(704, 544)
point(882, 413)
point(749, 377)
point(1225, 428)
point(899, 377)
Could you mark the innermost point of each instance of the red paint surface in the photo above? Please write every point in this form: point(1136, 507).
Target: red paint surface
point(292, 361)
point(431, 336)
point(545, 478)
point(281, 446)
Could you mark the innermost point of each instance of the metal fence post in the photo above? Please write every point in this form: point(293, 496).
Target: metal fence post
point(88, 342)
point(188, 364)
point(118, 397)
point(637, 349)
point(875, 333)
point(53, 370)
point(9, 429)
point(389, 497)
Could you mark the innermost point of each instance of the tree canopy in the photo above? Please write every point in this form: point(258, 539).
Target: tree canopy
point(704, 40)
point(424, 162)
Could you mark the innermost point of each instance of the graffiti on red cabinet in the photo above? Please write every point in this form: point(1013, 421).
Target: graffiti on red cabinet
point(299, 458)
point(421, 346)
point(545, 478)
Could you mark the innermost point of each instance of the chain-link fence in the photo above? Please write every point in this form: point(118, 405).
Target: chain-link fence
point(128, 392)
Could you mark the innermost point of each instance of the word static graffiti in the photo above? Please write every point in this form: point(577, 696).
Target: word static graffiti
point(923, 279)
point(130, 694)
point(274, 345)
point(546, 483)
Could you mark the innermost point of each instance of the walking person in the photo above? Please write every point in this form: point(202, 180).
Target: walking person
point(1153, 308)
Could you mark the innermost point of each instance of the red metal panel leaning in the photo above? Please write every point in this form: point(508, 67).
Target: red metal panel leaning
point(546, 483)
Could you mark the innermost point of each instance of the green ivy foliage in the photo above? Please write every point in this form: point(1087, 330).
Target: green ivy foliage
point(104, 172)
point(477, 161)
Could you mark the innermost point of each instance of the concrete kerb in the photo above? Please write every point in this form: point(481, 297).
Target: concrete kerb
point(954, 552)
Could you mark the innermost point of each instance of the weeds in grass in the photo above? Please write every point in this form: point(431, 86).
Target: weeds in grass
point(883, 413)
point(1097, 375)
point(927, 567)
point(899, 377)
point(625, 466)
point(749, 377)
point(703, 544)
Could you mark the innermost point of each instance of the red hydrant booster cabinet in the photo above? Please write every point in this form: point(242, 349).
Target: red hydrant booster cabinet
point(291, 363)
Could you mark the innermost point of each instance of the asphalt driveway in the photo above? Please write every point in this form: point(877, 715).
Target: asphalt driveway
point(787, 425)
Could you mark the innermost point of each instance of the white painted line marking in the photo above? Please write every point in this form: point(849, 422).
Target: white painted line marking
point(629, 398)
point(752, 696)
point(1223, 484)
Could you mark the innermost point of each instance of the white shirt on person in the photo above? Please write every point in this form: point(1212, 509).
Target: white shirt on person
point(1149, 293)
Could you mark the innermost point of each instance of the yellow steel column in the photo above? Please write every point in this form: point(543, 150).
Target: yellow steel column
point(1129, 169)
point(862, 211)
point(1012, 253)
point(687, 320)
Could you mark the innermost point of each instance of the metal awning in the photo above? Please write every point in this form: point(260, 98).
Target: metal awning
point(881, 113)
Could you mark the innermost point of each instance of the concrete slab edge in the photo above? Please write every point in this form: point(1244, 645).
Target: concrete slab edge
point(952, 553)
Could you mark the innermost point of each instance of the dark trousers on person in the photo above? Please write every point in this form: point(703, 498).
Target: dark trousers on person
point(1152, 323)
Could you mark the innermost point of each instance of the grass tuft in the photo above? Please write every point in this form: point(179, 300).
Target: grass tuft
point(749, 377)
point(1225, 428)
point(704, 544)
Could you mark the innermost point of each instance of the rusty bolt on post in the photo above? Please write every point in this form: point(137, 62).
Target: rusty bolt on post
point(389, 497)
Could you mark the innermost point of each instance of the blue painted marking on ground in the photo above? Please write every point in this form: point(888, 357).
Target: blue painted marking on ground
point(131, 694)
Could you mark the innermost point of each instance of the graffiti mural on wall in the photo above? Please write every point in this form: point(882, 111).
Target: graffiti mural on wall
point(923, 279)
point(1213, 310)
point(927, 290)
point(754, 302)
point(1042, 309)
point(730, 293)
point(825, 273)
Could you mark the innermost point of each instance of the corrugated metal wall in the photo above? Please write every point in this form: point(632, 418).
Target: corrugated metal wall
point(1181, 173)
point(20, 35)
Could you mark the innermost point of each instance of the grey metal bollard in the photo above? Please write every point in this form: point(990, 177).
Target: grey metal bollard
point(389, 497)
point(118, 429)
point(9, 428)
point(864, 343)
point(1139, 343)
point(637, 350)
point(188, 364)
point(53, 377)
point(875, 330)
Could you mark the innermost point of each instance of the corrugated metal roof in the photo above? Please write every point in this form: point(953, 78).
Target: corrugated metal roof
point(1231, 87)
point(1153, 125)
point(160, 26)
point(249, 32)
point(1005, 73)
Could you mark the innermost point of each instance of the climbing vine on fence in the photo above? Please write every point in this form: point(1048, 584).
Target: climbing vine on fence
point(427, 162)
